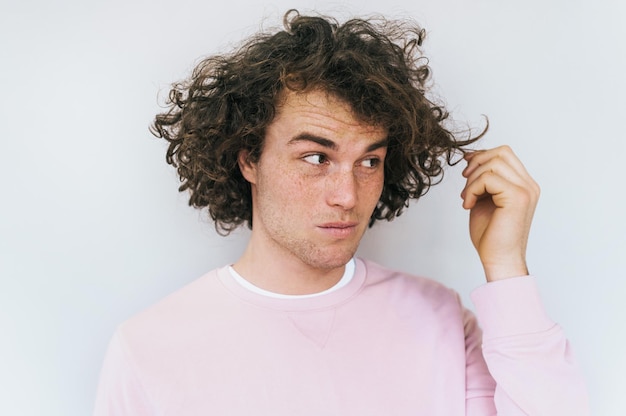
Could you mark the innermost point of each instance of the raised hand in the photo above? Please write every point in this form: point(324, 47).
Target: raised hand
point(501, 197)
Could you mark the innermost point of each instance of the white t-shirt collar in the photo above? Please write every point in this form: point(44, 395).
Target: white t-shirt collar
point(348, 273)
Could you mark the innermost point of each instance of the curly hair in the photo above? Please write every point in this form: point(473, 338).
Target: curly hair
point(374, 65)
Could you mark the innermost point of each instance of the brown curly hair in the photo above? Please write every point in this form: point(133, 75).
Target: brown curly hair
point(374, 65)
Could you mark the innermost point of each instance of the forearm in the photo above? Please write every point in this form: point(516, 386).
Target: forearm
point(527, 354)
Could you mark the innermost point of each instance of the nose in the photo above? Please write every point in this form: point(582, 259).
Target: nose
point(341, 189)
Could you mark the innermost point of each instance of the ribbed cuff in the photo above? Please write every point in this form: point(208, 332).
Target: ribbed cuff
point(510, 307)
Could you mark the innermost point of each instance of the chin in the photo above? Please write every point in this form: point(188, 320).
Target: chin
point(329, 261)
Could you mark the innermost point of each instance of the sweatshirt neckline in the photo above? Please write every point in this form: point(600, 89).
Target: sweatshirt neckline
point(322, 301)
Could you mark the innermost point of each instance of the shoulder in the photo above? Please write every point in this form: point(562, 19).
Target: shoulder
point(402, 285)
point(417, 301)
point(178, 312)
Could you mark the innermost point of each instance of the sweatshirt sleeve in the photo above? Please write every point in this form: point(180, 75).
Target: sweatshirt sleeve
point(526, 353)
point(120, 392)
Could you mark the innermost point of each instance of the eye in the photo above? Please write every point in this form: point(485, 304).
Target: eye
point(316, 159)
point(371, 162)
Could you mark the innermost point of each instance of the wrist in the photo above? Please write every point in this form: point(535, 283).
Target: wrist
point(495, 272)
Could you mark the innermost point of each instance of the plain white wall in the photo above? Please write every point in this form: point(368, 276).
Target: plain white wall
point(92, 228)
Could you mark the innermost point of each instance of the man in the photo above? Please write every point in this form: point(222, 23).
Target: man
point(309, 135)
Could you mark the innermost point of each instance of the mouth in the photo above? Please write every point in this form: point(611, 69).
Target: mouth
point(340, 229)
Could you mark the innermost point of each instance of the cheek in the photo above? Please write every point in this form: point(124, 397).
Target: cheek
point(290, 188)
point(375, 187)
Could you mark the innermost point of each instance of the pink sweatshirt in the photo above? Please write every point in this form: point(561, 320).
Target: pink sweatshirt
point(385, 344)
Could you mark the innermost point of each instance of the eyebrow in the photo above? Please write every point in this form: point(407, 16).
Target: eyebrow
point(322, 141)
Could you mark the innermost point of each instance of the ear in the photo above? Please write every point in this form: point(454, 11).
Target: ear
point(247, 168)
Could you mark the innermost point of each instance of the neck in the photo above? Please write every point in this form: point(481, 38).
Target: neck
point(286, 274)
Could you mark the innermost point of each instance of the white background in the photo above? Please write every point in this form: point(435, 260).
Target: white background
point(92, 228)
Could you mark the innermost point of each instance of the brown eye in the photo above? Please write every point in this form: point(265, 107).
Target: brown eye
point(371, 162)
point(316, 159)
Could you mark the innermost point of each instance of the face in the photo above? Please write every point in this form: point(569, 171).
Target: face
point(317, 182)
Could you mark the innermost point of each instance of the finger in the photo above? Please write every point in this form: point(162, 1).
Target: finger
point(501, 168)
point(505, 153)
point(503, 192)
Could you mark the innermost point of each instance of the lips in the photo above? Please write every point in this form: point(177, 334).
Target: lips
point(339, 229)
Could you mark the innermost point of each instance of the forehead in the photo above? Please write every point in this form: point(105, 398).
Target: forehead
point(320, 111)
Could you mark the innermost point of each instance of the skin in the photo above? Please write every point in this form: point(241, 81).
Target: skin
point(314, 188)
point(317, 183)
point(501, 197)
